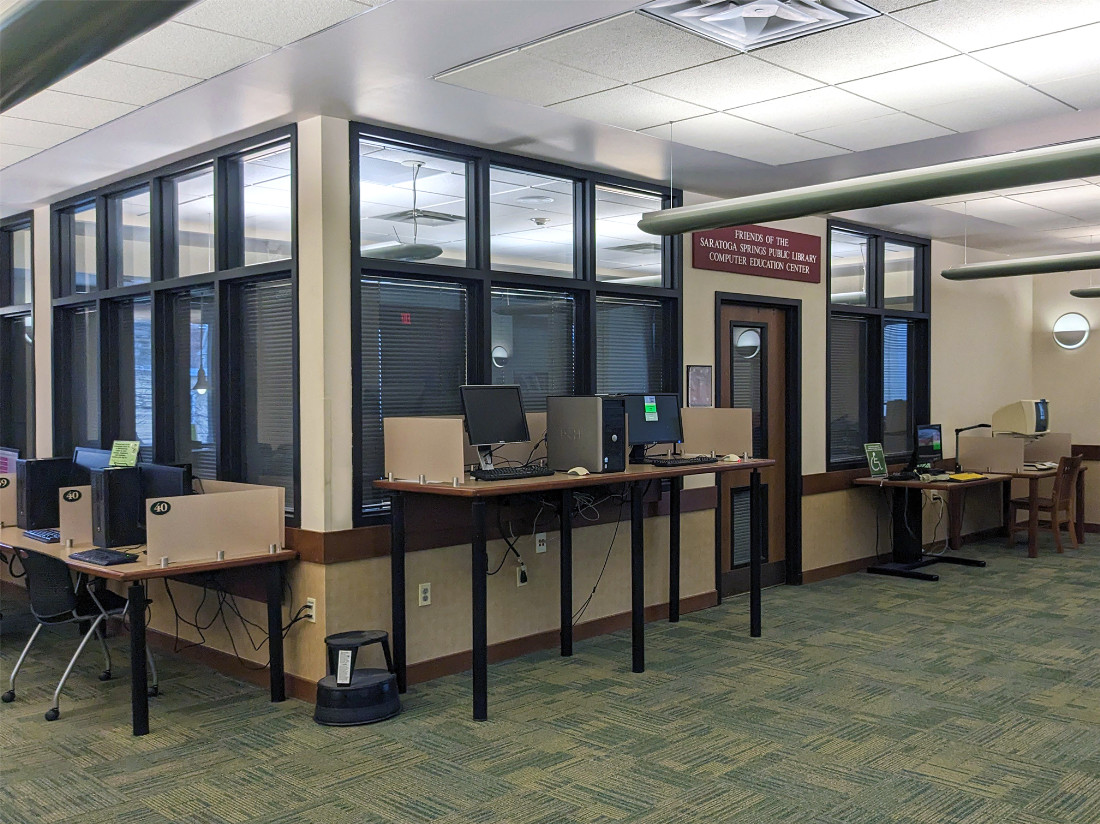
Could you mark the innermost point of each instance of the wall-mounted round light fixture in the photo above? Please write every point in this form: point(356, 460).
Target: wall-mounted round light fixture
point(500, 356)
point(1071, 330)
point(748, 344)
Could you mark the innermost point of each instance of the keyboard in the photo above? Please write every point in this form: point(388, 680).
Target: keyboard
point(104, 557)
point(681, 461)
point(46, 536)
point(511, 473)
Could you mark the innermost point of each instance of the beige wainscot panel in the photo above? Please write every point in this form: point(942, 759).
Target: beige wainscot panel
point(838, 527)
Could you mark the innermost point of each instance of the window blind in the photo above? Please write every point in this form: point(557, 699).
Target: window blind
point(538, 330)
point(629, 338)
point(848, 429)
point(17, 399)
point(78, 415)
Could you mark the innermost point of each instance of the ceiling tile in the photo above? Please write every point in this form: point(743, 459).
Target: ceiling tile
point(1081, 202)
point(109, 80)
point(977, 24)
point(741, 138)
point(32, 133)
point(1082, 91)
point(889, 130)
point(630, 48)
point(895, 5)
point(10, 154)
point(856, 50)
point(278, 22)
point(931, 84)
point(522, 76)
point(174, 47)
point(816, 109)
point(1051, 57)
point(1015, 106)
point(69, 109)
point(1012, 213)
point(736, 81)
point(630, 108)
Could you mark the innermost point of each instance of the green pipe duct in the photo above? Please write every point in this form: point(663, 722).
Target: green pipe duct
point(1045, 165)
point(1086, 292)
point(1073, 262)
point(46, 40)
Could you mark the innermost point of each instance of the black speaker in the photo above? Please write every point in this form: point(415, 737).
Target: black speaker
point(118, 506)
point(36, 489)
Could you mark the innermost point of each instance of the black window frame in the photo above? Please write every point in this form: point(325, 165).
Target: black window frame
point(876, 316)
point(229, 272)
point(479, 277)
point(13, 311)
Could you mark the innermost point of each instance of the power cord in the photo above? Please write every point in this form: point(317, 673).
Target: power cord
point(583, 607)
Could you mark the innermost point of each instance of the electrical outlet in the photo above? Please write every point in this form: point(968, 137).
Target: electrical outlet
point(521, 575)
point(425, 595)
point(540, 542)
point(311, 610)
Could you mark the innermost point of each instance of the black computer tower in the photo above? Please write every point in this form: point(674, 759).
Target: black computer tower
point(118, 507)
point(37, 483)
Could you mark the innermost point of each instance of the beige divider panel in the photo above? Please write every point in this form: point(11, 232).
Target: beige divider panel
point(720, 430)
point(75, 510)
point(428, 446)
point(1000, 454)
point(240, 520)
point(8, 512)
point(536, 428)
point(1050, 447)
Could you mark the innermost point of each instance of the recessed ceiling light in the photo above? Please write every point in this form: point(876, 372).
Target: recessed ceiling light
point(534, 199)
point(751, 24)
point(425, 217)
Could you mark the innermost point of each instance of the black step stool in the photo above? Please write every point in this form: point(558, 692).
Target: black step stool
point(348, 696)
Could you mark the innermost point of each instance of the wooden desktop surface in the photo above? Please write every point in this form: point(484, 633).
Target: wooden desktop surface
point(946, 486)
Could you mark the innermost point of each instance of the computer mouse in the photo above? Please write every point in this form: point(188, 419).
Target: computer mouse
point(577, 470)
point(731, 458)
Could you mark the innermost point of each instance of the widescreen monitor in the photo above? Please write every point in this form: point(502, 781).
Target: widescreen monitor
point(494, 415)
point(929, 444)
point(165, 481)
point(651, 419)
point(91, 458)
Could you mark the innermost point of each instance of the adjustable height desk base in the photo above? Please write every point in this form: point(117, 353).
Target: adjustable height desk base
point(909, 570)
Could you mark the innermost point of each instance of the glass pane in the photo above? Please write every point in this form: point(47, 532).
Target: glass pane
point(897, 421)
point(900, 276)
point(848, 425)
point(531, 222)
point(624, 253)
point(134, 371)
point(195, 381)
point(412, 205)
point(412, 358)
point(22, 268)
point(533, 341)
point(194, 196)
point(267, 204)
point(629, 345)
point(134, 237)
point(266, 360)
point(17, 399)
point(78, 420)
point(747, 370)
point(848, 267)
point(84, 249)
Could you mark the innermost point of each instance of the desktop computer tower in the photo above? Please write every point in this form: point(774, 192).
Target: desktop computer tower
point(36, 489)
point(118, 506)
point(588, 431)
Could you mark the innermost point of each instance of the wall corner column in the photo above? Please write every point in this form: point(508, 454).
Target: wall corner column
point(43, 334)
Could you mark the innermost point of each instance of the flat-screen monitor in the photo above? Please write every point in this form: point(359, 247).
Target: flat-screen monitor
point(165, 481)
point(494, 415)
point(1029, 418)
point(929, 444)
point(652, 419)
point(91, 458)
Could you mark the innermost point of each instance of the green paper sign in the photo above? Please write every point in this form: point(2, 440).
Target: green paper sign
point(876, 459)
point(124, 453)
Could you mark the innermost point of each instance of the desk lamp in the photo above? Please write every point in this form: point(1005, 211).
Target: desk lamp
point(958, 467)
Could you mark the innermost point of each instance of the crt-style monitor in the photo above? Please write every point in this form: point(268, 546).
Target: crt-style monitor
point(929, 444)
point(1029, 418)
point(494, 415)
point(652, 419)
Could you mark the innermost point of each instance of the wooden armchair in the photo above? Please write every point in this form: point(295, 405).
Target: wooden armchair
point(1058, 506)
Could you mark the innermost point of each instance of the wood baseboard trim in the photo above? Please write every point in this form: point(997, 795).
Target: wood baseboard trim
point(812, 576)
point(461, 661)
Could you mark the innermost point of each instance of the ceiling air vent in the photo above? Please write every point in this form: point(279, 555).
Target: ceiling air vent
point(424, 217)
point(751, 24)
point(637, 248)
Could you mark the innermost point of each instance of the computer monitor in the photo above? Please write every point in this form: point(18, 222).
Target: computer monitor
point(1028, 418)
point(8, 457)
point(91, 458)
point(929, 444)
point(652, 419)
point(164, 480)
point(494, 415)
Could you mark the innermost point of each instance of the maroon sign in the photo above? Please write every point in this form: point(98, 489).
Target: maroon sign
point(758, 250)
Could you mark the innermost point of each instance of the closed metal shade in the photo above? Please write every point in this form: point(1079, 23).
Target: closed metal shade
point(1045, 165)
point(1074, 262)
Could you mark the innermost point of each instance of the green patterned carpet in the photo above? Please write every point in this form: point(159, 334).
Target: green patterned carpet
point(975, 699)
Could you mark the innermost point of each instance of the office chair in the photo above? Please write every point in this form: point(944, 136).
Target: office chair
point(55, 600)
point(1058, 505)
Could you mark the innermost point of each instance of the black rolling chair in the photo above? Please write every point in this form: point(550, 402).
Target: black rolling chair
point(55, 600)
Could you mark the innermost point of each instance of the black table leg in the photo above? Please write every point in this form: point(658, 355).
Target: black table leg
point(139, 679)
point(637, 579)
point(565, 572)
point(397, 586)
point(274, 575)
point(479, 568)
point(756, 534)
point(675, 487)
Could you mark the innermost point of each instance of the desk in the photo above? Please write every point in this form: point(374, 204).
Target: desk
point(908, 549)
point(635, 477)
point(136, 574)
point(1033, 476)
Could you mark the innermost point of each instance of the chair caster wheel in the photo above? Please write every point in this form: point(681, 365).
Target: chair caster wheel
point(105, 675)
point(153, 692)
point(8, 696)
point(53, 714)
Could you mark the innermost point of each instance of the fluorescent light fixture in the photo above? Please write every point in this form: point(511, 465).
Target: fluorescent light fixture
point(1073, 262)
point(751, 24)
point(637, 248)
point(423, 217)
